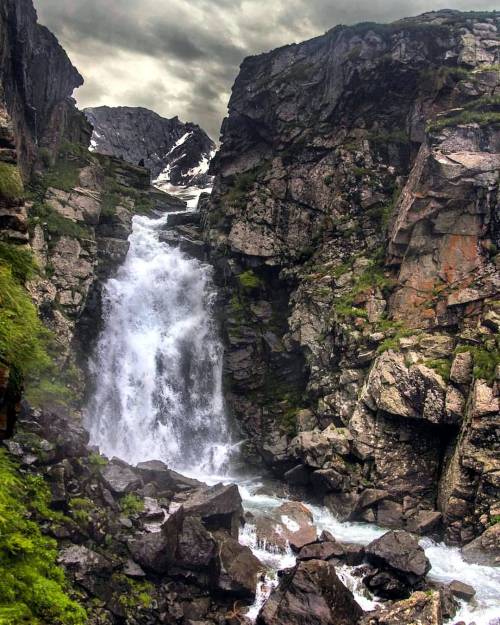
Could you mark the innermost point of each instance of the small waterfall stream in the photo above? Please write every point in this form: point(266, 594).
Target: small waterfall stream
point(158, 362)
point(158, 395)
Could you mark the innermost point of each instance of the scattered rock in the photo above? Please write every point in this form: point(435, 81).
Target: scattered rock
point(421, 608)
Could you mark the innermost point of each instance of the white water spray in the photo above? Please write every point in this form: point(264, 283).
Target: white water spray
point(158, 362)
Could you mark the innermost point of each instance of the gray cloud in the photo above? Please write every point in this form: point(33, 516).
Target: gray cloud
point(181, 58)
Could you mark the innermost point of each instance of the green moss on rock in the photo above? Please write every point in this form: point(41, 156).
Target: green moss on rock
point(33, 589)
point(11, 184)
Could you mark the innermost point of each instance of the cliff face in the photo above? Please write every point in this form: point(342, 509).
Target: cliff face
point(38, 80)
point(354, 224)
point(177, 153)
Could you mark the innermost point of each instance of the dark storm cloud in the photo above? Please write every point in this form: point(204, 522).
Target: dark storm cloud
point(181, 58)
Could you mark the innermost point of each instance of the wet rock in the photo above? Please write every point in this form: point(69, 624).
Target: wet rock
point(425, 522)
point(400, 563)
point(300, 475)
point(120, 477)
point(485, 549)
point(321, 551)
point(81, 561)
point(238, 568)
point(461, 590)
point(156, 551)
point(327, 480)
point(157, 472)
point(219, 506)
point(310, 594)
point(421, 608)
point(196, 547)
point(297, 520)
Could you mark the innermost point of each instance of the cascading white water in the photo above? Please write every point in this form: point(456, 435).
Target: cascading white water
point(158, 362)
point(158, 370)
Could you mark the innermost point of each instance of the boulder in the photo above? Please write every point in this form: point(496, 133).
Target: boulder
point(157, 472)
point(196, 548)
point(219, 506)
point(310, 594)
point(81, 562)
point(327, 481)
point(120, 478)
point(484, 549)
point(425, 522)
point(238, 568)
point(400, 563)
point(297, 520)
point(461, 590)
point(300, 475)
point(156, 551)
point(321, 551)
point(421, 608)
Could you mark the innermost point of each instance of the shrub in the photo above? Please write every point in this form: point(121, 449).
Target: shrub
point(442, 366)
point(248, 280)
point(131, 504)
point(33, 589)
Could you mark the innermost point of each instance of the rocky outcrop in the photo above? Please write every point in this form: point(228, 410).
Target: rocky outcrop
point(38, 80)
point(354, 232)
point(177, 153)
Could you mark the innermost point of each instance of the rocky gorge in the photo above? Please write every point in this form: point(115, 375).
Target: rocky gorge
point(352, 235)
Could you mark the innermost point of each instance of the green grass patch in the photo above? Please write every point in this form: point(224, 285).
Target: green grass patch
point(33, 589)
point(248, 280)
point(23, 338)
point(11, 183)
point(133, 594)
point(55, 224)
point(20, 259)
point(442, 366)
point(485, 358)
point(131, 504)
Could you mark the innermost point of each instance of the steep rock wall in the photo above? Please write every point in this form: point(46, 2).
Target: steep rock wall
point(354, 226)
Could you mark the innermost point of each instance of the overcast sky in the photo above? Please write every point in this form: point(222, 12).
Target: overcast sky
point(180, 57)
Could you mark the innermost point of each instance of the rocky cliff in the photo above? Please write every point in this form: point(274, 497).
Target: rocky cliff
point(37, 80)
point(354, 226)
point(176, 152)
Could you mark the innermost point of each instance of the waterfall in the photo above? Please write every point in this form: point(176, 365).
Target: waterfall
point(158, 362)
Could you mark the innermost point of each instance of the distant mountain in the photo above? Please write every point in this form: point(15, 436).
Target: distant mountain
point(177, 153)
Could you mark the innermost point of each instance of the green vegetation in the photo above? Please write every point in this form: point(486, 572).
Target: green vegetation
point(133, 594)
point(243, 184)
point(442, 366)
point(11, 184)
point(482, 111)
point(248, 280)
point(56, 224)
point(80, 508)
point(374, 276)
point(131, 504)
point(397, 331)
point(23, 338)
point(382, 138)
point(33, 589)
point(96, 460)
point(494, 519)
point(485, 358)
point(20, 260)
point(49, 392)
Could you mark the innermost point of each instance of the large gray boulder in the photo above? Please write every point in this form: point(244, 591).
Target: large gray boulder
point(120, 477)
